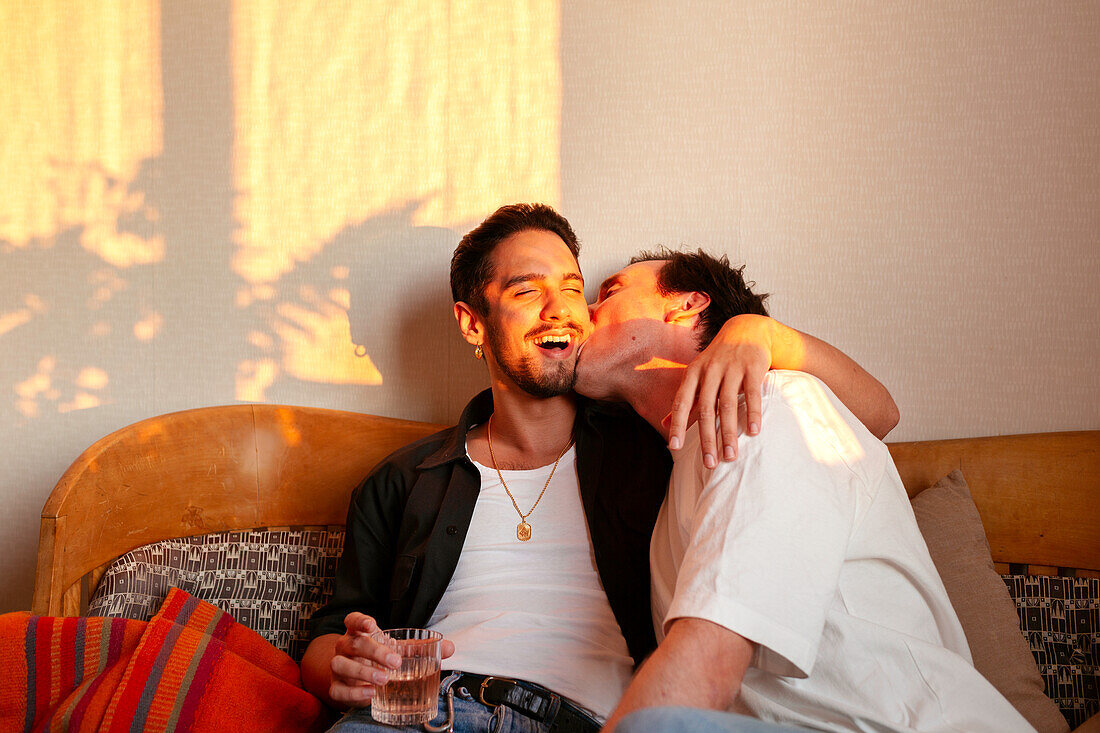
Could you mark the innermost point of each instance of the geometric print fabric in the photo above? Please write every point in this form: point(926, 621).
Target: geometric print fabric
point(273, 580)
point(1060, 617)
point(269, 580)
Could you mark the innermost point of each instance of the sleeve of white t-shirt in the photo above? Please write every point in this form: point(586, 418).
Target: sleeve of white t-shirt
point(769, 531)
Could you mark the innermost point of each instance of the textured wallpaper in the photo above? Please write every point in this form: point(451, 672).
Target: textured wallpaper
point(917, 183)
point(215, 202)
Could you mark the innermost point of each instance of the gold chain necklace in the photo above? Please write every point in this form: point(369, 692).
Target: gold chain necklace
point(523, 529)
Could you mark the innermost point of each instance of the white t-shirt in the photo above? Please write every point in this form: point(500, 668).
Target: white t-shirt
point(807, 546)
point(534, 610)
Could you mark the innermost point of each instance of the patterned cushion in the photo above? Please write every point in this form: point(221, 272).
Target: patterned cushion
point(1061, 619)
point(269, 580)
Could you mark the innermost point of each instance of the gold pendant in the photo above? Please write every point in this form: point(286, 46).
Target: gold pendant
point(523, 531)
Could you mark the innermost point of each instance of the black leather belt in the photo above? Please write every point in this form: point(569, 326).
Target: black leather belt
point(534, 701)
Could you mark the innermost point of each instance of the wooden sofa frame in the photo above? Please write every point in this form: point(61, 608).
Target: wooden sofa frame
point(248, 466)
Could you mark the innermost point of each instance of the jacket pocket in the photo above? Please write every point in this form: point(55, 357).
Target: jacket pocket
point(403, 571)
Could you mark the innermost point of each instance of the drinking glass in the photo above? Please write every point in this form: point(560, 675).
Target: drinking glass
point(410, 695)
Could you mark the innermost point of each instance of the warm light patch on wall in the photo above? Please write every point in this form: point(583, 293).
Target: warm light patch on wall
point(80, 392)
point(147, 328)
point(347, 113)
point(81, 104)
point(253, 377)
point(106, 283)
point(32, 306)
point(317, 342)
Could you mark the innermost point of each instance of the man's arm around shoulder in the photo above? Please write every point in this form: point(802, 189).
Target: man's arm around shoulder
point(699, 664)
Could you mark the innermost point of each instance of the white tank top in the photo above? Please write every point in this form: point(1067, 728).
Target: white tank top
point(534, 610)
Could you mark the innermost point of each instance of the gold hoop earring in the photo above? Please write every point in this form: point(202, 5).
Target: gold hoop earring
point(478, 353)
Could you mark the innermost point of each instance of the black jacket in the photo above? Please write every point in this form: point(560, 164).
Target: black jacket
point(408, 520)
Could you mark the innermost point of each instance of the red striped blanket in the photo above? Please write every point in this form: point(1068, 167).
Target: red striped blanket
point(191, 668)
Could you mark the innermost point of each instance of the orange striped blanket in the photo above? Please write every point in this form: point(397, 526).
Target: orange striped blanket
point(191, 668)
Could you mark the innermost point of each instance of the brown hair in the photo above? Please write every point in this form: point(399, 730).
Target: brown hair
point(686, 272)
point(472, 264)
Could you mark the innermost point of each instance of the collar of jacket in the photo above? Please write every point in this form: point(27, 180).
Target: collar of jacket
point(477, 411)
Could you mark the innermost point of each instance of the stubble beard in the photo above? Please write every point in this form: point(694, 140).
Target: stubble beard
point(553, 381)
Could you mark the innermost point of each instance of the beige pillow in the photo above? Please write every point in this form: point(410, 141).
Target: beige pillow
point(956, 540)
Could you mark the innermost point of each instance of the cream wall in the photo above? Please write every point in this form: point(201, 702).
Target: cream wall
point(917, 183)
point(260, 188)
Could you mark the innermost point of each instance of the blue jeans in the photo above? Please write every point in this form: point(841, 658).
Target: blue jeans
point(470, 717)
point(694, 720)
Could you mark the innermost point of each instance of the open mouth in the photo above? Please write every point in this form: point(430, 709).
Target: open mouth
point(554, 344)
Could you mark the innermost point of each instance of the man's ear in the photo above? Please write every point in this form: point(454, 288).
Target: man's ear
point(470, 324)
point(685, 308)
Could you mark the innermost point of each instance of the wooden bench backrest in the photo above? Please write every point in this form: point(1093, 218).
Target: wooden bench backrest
point(200, 471)
point(1038, 494)
point(247, 466)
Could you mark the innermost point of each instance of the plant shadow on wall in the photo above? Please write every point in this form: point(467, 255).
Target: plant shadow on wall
point(79, 311)
point(367, 321)
point(364, 324)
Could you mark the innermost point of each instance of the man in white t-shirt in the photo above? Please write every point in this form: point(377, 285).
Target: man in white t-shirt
point(792, 584)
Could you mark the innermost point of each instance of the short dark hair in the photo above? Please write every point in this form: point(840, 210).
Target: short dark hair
point(730, 295)
point(472, 264)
